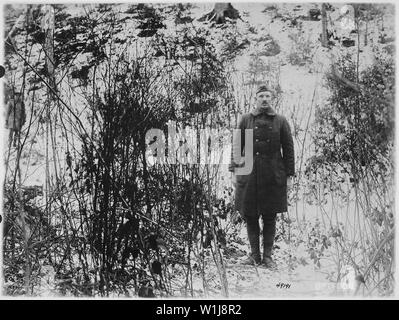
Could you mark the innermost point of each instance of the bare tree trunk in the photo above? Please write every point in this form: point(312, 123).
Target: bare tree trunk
point(48, 27)
point(22, 214)
point(324, 37)
point(220, 12)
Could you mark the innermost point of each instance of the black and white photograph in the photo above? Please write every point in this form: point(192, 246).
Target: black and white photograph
point(197, 150)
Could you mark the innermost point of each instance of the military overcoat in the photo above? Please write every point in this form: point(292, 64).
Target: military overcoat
point(264, 190)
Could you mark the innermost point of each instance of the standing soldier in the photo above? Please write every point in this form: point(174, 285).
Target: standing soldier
point(263, 192)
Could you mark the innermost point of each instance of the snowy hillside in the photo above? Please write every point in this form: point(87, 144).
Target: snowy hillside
point(120, 70)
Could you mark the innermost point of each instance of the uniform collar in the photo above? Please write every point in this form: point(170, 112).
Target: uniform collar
point(268, 111)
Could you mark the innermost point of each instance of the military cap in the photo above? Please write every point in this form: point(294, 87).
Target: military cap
point(262, 88)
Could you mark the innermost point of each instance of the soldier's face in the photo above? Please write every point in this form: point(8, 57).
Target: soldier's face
point(264, 98)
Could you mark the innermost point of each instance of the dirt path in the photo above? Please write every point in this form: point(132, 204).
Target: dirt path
point(302, 280)
point(260, 283)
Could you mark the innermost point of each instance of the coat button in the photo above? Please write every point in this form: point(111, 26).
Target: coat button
point(256, 127)
point(257, 153)
point(270, 127)
point(268, 140)
point(257, 140)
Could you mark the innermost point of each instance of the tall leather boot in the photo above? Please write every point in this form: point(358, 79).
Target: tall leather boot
point(253, 238)
point(269, 232)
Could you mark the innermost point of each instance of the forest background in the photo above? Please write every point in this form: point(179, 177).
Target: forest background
point(86, 214)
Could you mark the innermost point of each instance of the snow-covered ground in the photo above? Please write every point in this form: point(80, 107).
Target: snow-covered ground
point(303, 89)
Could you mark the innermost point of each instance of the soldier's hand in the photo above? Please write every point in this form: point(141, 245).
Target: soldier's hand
point(290, 183)
point(234, 179)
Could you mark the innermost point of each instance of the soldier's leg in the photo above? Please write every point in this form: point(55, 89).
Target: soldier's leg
point(253, 231)
point(269, 232)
